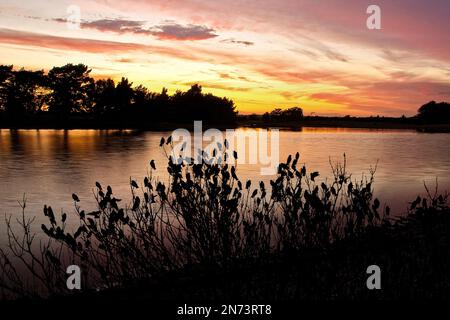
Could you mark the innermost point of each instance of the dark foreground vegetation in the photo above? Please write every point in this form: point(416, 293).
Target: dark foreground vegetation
point(208, 236)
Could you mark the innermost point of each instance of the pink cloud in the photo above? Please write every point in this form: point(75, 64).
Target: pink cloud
point(414, 34)
point(406, 24)
point(85, 45)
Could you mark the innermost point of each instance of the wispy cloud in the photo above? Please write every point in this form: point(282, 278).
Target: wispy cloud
point(24, 38)
point(210, 85)
point(241, 42)
point(64, 43)
point(118, 25)
point(174, 31)
point(318, 52)
point(164, 31)
point(228, 76)
point(124, 60)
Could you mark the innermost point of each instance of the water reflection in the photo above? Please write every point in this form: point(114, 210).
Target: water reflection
point(50, 165)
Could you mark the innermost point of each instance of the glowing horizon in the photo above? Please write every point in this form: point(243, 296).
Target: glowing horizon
point(262, 54)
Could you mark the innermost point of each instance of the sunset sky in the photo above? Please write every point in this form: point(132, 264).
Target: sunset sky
point(261, 53)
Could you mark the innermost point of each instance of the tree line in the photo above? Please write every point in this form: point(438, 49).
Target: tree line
point(430, 113)
point(289, 114)
point(69, 92)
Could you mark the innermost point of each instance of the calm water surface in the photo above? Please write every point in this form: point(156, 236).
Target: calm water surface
point(49, 165)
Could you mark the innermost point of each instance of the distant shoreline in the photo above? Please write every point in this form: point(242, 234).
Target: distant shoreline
point(83, 124)
point(344, 123)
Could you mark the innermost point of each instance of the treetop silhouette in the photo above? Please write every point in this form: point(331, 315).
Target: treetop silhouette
point(69, 92)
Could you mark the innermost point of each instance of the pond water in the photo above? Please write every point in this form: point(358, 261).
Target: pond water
point(47, 166)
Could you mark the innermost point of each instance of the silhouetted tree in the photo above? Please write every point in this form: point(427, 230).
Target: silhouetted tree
point(434, 112)
point(104, 97)
point(220, 110)
point(194, 105)
point(161, 106)
point(293, 114)
point(72, 89)
point(278, 114)
point(19, 92)
point(6, 75)
point(124, 95)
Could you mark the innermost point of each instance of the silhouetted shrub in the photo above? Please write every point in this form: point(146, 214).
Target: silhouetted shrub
point(205, 216)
